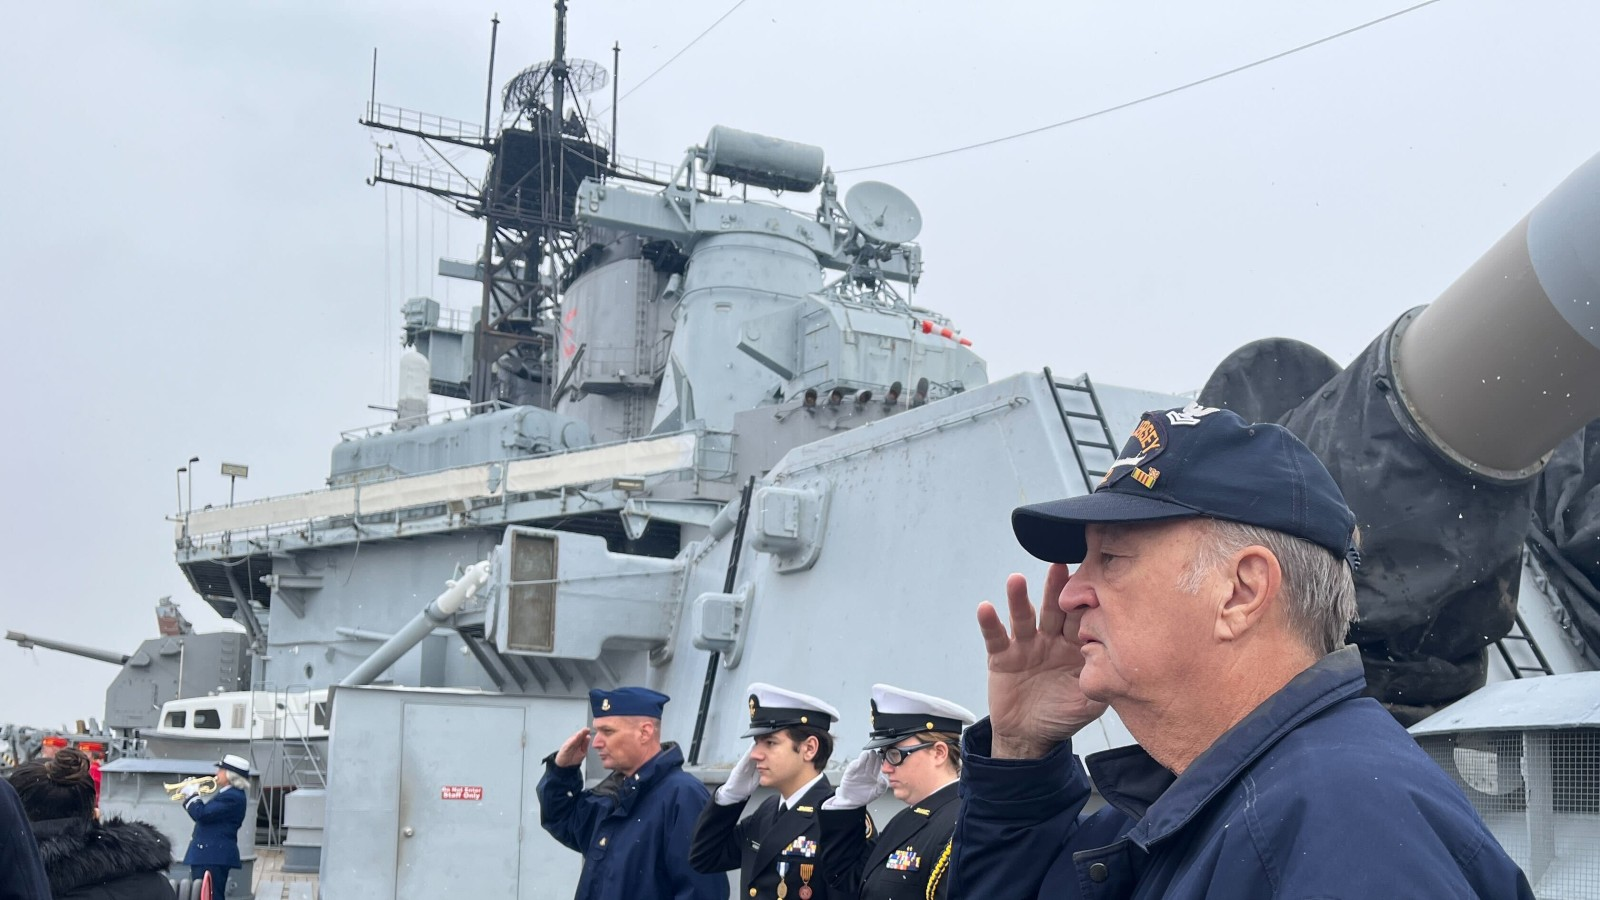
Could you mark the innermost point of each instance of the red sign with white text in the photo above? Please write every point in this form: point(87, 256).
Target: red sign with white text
point(461, 792)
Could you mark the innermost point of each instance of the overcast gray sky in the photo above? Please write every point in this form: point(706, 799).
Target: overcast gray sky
point(193, 266)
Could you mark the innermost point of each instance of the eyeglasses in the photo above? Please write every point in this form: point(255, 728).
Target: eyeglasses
point(894, 756)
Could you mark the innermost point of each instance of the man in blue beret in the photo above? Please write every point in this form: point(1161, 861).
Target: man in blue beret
point(1209, 608)
point(634, 827)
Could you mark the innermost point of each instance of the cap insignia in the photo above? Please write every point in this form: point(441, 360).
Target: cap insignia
point(1146, 478)
point(753, 706)
point(1189, 415)
point(605, 704)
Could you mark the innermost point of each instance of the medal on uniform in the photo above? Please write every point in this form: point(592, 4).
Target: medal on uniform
point(805, 880)
point(783, 886)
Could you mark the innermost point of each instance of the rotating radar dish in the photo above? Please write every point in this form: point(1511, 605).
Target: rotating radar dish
point(883, 212)
point(533, 86)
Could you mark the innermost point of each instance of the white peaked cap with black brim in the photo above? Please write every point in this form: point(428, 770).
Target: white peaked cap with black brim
point(235, 764)
point(774, 708)
point(898, 714)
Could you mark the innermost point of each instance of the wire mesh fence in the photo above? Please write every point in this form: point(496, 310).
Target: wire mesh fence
point(1539, 793)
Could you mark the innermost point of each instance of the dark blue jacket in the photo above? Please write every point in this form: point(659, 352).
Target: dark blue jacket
point(216, 828)
point(1318, 793)
point(21, 873)
point(633, 831)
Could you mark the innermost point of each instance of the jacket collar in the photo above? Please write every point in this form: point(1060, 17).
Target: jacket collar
point(1162, 803)
point(936, 800)
point(630, 788)
point(80, 852)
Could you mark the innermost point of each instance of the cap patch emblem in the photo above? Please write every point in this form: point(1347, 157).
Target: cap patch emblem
point(1148, 441)
point(1146, 478)
point(874, 713)
point(753, 706)
point(605, 704)
point(1189, 415)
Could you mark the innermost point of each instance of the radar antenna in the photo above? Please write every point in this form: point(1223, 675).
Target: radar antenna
point(883, 222)
point(883, 213)
point(534, 87)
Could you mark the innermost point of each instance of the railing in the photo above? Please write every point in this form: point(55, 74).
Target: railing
point(644, 168)
point(489, 481)
point(443, 415)
point(425, 178)
point(454, 319)
point(395, 118)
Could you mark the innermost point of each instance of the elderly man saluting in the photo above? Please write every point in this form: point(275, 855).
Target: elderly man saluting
point(1210, 610)
point(633, 828)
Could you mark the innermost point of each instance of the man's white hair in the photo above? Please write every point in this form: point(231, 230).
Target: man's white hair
point(1319, 588)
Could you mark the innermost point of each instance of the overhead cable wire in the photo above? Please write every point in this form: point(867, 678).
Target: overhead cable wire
point(646, 79)
point(1145, 99)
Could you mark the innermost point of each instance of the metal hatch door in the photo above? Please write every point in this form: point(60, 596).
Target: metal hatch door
point(460, 801)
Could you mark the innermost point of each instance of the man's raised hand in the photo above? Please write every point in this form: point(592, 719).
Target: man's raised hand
point(1034, 698)
point(572, 752)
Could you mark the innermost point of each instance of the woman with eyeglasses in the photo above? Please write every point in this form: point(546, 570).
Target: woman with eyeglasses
point(914, 751)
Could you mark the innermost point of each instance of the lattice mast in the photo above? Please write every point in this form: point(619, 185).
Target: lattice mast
point(544, 148)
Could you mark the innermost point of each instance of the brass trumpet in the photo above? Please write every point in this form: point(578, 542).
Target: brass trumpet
point(206, 784)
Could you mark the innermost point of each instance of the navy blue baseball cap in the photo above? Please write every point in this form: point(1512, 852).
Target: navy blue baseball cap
point(1199, 461)
point(627, 701)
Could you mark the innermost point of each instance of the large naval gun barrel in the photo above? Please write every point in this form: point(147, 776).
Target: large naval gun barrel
point(1506, 363)
point(28, 641)
point(1438, 433)
point(434, 614)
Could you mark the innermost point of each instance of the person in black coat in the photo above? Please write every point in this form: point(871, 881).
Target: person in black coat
point(776, 848)
point(86, 859)
point(22, 875)
point(214, 847)
point(914, 751)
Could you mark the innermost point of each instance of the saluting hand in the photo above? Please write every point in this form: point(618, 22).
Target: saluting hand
point(863, 782)
point(572, 752)
point(742, 781)
point(1035, 701)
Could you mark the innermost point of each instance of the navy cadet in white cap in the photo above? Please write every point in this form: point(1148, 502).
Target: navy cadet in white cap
point(777, 848)
point(914, 751)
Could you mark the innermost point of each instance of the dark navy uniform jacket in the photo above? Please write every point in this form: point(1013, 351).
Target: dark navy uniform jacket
point(909, 860)
point(22, 874)
point(633, 831)
point(216, 828)
point(758, 844)
point(1318, 793)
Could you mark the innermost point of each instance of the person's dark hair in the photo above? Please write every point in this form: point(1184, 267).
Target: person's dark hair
point(56, 788)
point(798, 734)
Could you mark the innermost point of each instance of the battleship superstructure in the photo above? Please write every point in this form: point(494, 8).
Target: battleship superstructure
point(713, 440)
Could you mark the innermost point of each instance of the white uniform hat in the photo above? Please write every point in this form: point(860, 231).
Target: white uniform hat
point(775, 708)
point(235, 764)
point(898, 714)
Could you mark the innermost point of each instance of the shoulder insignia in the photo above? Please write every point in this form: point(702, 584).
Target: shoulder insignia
point(872, 829)
point(922, 812)
point(805, 809)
